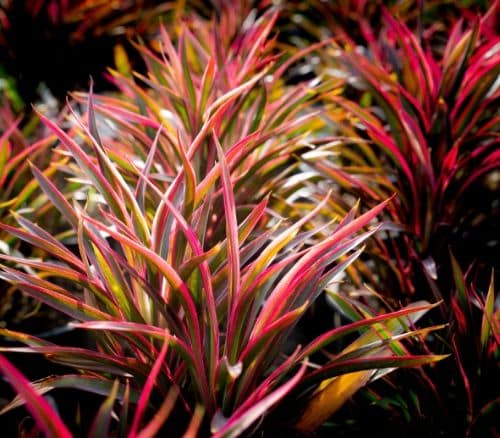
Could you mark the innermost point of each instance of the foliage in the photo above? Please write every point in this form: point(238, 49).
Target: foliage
point(196, 224)
point(83, 36)
point(425, 129)
point(20, 143)
point(473, 336)
point(420, 121)
point(178, 266)
point(360, 20)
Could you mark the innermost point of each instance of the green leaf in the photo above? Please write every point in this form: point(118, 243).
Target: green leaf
point(92, 384)
point(488, 314)
point(102, 421)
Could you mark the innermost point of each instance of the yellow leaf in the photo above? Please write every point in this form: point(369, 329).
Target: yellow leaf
point(122, 62)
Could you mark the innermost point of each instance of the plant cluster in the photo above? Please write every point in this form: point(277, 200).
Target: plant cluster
point(419, 120)
point(253, 228)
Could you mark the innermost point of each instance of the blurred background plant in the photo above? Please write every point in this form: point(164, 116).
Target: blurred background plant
point(23, 141)
point(50, 47)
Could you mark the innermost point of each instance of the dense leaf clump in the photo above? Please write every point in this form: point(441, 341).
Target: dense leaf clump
point(264, 217)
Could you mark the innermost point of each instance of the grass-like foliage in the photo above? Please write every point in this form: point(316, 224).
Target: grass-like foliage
point(189, 283)
point(474, 339)
point(423, 126)
point(420, 120)
point(22, 139)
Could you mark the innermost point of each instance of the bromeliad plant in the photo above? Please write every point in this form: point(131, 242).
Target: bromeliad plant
point(182, 273)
